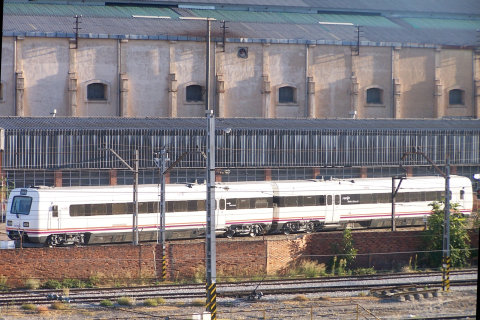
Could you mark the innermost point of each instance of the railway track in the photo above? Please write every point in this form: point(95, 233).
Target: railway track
point(242, 289)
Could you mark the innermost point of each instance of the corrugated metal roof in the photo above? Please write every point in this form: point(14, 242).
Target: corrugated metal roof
point(243, 26)
point(60, 123)
point(63, 10)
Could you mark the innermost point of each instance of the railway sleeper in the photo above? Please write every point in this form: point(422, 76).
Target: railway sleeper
point(65, 239)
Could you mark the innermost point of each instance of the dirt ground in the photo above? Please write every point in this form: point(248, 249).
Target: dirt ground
point(314, 306)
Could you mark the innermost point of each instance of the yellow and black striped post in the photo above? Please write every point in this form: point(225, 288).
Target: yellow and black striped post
point(446, 274)
point(211, 304)
point(164, 266)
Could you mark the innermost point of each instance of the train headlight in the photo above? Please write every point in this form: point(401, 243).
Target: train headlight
point(26, 224)
point(9, 223)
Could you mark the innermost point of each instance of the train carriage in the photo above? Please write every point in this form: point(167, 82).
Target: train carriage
point(85, 215)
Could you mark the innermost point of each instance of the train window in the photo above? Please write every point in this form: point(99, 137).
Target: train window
point(21, 205)
point(119, 208)
point(88, 210)
point(130, 208)
point(337, 199)
point(55, 211)
point(309, 201)
point(261, 203)
point(243, 203)
point(430, 195)
point(291, 201)
point(350, 199)
point(222, 204)
point(366, 198)
point(462, 194)
point(321, 200)
point(400, 197)
point(77, 210)
point(109, 209)
point(196, 205)
point(329, 200)
point(231, 204)
point(179, 206)
point(143, 207)
point(99, 209)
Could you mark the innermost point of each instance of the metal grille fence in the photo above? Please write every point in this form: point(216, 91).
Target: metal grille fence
point(61, 149)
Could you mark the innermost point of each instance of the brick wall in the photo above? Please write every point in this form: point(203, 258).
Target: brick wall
point(109, 262)
point(239, 257)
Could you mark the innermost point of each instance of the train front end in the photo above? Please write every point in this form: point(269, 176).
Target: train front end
point(23, 222)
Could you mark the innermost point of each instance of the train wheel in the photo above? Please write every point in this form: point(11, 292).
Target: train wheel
point(229, 233)
point(309, 227)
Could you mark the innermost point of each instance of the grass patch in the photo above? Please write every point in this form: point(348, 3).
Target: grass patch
point(58, 305)
point(51, 284)
point(198, 302)
point(150, 303)
point(126, 301)
point(364, 271)
point(106, 303)
point(32, 284)
point(3, 283)
point(160, 300)
point(301, 298)
point(29, 307)
point(308, 269)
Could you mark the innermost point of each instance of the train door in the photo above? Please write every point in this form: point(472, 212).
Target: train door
point(220, 214)
point(53, 217)
point(333, 205)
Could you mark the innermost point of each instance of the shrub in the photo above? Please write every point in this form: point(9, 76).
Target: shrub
point(58, 305)
point(52, 284)
point(311, 269)
point(73, 283)
point(433, 237)
point(198, 302)
point(160, 300)
point(125, 301)
point(29, 306)
point(32, 284)
point(150, 303)
point(106, 303)
point(364, 271)
point(3, 283)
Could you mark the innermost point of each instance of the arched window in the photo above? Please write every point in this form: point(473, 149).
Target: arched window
point(97, 91)
point(456, 96)
point(194, 93)
point(374, 96)
point(286, 94)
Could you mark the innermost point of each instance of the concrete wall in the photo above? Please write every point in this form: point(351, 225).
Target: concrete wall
point(148, 79)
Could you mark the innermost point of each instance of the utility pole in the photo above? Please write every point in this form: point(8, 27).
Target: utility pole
point(210, 246)
point(135, 194)
point(446, 261)
point(394, 194)
point(162, 164)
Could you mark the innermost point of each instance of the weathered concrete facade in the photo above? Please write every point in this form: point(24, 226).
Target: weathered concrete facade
point(148, 78)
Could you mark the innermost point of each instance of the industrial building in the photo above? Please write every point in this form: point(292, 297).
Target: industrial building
point(291, 59)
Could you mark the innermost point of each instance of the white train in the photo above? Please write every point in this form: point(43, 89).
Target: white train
point(84, 215)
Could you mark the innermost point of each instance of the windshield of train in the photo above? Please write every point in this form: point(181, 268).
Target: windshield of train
point(21, 205)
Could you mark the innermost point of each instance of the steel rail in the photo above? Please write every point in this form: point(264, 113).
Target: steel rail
point(224, 290)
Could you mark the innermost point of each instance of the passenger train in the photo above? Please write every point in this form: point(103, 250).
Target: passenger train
point(86, 215)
